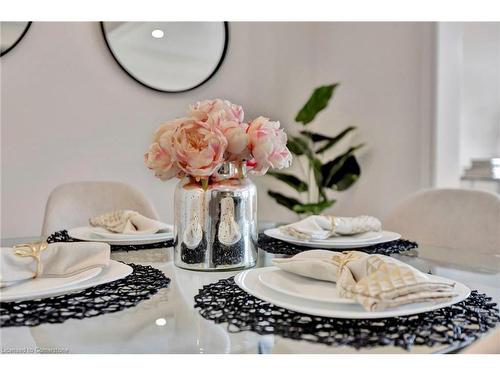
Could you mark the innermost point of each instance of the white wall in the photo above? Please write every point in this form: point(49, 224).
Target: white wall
point(468, 98)
point(480, 111)
point(449, 89)
point(68, 112)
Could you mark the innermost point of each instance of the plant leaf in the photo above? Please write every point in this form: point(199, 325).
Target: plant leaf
point(298, 146)
point(290, 180)
point(346, 175)
point(284, 200)
point(316, 103)
point(315, 137)
point(334, 168)
point(334, 140)
point(313, 208)
point(316, 165)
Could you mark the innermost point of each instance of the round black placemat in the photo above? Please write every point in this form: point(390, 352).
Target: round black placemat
point(140, 285)
point(266, 243)
point(63, 236)
point(275, 246)
point(225, 302)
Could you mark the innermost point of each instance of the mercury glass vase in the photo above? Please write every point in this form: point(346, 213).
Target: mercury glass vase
point(216, 228)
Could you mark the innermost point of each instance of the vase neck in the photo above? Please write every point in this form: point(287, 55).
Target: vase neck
point(231, 169)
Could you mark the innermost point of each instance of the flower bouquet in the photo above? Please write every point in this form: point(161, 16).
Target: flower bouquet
point(214, 132)
point(211, 150)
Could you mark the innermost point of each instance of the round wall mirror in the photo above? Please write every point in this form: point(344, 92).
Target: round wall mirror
point(10, 34)
point(168, 56)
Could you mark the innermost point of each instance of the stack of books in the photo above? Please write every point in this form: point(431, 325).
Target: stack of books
point(483, 169)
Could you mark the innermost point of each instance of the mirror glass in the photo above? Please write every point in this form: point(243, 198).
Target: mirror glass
point(10, 34)
point(168, 56)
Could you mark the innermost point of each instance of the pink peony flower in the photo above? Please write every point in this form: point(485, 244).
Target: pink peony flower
point(167, 129)
point(267, 143)
point(198, 147)
point(227, 117)
point(237, 139)
point(161, 162)
point(216, 109)
point(214, 133)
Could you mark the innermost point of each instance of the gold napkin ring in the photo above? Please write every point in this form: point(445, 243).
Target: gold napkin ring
point(332, 223)
point(343, 259)
point(33, 250)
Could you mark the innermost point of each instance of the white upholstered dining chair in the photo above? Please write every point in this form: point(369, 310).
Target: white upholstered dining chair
point(71, 205)
point(455, 218)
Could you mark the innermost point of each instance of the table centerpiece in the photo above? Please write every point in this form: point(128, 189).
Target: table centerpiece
point(212, 150)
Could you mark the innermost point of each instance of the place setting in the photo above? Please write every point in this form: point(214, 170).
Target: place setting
point(50, 283)
point(123, 227)
point(346, 285)
point(349, 299)
point(351, 285)
point(39, 269)
point(78, 272)
point(334, 232)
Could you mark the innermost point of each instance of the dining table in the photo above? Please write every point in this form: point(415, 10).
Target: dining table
point(169, 322)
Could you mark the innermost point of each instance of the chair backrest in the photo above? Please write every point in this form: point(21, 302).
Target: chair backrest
point(456, 218)
point(71, 205)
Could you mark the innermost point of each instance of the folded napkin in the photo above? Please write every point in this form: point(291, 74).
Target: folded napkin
point(320, 227)
point(377, 282)
point(127, 222)
point(61, 259)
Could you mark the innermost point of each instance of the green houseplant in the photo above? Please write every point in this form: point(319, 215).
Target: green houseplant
point(318, 176)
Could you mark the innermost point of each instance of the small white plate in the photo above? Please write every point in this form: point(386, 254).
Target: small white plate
point(340, 242)
point(47, 287)
point(300, 286)
point(249, 281)
point(86, 234)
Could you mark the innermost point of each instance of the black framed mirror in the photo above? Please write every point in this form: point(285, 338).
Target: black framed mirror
point(11, 34)
point(168, 56)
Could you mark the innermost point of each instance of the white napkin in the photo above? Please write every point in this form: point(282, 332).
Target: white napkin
point(61, 259)
point(377, 282)
point(127, 222)
point(320, 227)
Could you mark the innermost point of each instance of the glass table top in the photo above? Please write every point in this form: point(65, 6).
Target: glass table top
point(169, 323)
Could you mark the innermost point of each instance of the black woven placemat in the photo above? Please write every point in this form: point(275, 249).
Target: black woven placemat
point(266, 243)
point(225, 302)
point(63, 236)
point(140, 285)
point(275, 246)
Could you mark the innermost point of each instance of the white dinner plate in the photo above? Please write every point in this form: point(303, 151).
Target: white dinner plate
point(86, 234)
point(47, 287)
point(104, 233)
point(299, 286)
point(249, 281)
point(340, 242)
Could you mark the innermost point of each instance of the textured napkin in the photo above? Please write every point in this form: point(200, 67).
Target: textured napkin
point(127, 222)
point(61, 259)
point(377, 282)
point(321, 227)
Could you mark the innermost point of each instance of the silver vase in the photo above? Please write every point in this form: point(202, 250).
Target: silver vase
point(216, 228)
